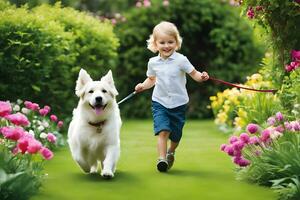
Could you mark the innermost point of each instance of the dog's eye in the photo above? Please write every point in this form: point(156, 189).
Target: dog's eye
point(104, 91)
point(91, 91)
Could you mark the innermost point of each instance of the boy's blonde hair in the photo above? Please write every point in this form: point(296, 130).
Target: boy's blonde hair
point(166, 28)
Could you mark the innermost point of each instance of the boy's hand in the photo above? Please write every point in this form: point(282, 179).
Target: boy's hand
point(139, 87)
point(204, 76)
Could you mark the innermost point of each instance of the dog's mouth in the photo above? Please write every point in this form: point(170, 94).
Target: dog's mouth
point(99, 108)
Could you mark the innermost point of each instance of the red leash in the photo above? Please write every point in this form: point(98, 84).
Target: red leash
point(234, 85)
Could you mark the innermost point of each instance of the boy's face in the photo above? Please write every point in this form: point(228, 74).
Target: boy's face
point(166, 44)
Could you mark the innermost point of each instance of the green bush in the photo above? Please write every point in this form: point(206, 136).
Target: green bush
point(43, 49)
point(215, 39)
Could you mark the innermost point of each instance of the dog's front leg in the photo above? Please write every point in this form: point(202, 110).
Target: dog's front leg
point(110, 161)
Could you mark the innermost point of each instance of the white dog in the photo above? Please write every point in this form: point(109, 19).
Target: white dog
point(93, 134)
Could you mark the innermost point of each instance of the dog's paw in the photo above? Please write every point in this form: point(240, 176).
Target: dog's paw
point(107, 174)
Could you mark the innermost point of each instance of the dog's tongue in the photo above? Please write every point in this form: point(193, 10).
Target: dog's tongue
point(98, 110)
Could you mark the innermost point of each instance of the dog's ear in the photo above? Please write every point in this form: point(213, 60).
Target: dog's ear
point(109, 79)
point(83, 78)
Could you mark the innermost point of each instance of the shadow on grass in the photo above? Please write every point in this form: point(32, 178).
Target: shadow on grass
point(120, 176)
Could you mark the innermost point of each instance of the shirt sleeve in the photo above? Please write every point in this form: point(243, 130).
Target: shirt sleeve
point(186, 66)
point(150, 71)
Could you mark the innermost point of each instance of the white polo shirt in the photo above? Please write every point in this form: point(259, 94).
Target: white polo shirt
point(170, 87)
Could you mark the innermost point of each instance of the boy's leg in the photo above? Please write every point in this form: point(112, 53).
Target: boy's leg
point(173, 146)
point(162, 164)
point(171, 154)
point(163, 137)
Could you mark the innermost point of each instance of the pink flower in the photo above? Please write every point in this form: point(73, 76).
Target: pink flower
point(43, 111)
point(12, 133)
point(271, 121)
point(250, 13)
point(60, 124)
point(238, 145)
point(113, 21)
point(138, 4)
point(18, 119)
point(245, 138)
point(53, 118)
point(296, 54)
point(31, 106)
point(23, 142)
point(46, 153)
point(244, 162)
point(279, 129)
point(5, 108)
point(289, 68)
point(252, 128)
point(147, 3)
point(254, 140)
point(222, 147)
point(279, 116)
point(51, 138)
point(265, 135)
point(166, 3)
point(229, 150)
point(233, 139)
point(33, 146)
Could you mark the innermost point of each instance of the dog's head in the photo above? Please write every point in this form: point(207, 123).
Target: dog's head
point(97, 94)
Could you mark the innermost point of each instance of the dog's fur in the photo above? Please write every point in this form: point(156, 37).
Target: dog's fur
point(93, 134)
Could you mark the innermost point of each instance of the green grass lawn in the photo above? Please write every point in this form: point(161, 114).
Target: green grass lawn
point(201, 171)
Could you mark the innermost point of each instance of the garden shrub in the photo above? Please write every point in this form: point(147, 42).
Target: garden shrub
point(215, 40)
point(42, 52)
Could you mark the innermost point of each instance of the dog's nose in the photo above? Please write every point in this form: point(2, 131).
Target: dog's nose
point(98, 99)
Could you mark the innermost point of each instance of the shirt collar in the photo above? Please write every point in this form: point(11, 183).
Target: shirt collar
point(171, 57)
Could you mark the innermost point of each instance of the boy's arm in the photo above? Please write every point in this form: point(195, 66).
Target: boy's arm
point(198, 76)
point(147, 84)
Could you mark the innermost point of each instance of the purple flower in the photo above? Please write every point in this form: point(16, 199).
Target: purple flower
point(271, 121)
point(244, 162)
point(279, 129)
point(222, 147)
point(254, 140)
point(233, 139)
point(238, 145)
point(245, 138)
point(296, 54)
point(229, 150)
point(250, 13)
point(265, 135)
point(252, 128)
point(279, 116)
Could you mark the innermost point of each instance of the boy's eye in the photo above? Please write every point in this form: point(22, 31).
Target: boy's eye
point(91, 91)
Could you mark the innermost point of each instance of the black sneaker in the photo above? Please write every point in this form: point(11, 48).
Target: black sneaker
point(170, 159)
point(162, 165)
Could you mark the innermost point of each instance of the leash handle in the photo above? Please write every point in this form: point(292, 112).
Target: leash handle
point(128, 97)
point(246, 88)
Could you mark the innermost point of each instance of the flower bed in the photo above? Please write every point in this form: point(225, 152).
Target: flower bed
point(27, 137)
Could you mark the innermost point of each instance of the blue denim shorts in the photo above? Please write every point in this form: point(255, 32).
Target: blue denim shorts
point(171, 120)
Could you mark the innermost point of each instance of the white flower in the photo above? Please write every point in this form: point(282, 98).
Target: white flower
point(19, 101)
point(45, 124)
point(31, 132)
point(16, 108)
point(43, 135)
point(41, 128)
point(25, 111)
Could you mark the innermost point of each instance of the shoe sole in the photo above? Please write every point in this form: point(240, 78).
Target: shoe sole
point(162, 166)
